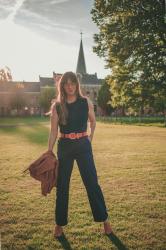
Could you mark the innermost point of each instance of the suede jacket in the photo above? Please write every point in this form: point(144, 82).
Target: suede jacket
point(45, 170)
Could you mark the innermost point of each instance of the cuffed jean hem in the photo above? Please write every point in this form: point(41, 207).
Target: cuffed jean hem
point(101, 220)
point(61, 224)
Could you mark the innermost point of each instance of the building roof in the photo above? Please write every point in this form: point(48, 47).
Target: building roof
point(31, 86)
point(81, 67)
point(25, 86)
point(89, 79)
point(81, 72)
point(46, 81)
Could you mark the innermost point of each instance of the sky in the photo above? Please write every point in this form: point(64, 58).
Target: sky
point(42, 36)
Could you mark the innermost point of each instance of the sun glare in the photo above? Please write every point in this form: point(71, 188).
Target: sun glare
point(23, 49)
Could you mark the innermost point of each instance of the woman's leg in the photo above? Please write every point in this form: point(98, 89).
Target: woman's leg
point(62, 190)
point(88, 173)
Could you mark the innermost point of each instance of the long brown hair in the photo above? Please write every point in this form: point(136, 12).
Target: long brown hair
point(61, 98)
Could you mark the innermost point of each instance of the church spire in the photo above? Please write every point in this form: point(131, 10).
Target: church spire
point(81, 67)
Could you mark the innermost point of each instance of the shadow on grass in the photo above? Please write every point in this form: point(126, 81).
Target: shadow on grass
point(116, 241)
point(64, 242)
point(37, 134)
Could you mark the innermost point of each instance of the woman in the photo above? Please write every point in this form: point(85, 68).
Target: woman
point(70, 112)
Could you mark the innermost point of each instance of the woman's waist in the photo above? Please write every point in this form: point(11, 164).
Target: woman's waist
point(73, 135)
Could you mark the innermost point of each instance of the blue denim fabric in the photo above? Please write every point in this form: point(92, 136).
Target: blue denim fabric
point(80, 150)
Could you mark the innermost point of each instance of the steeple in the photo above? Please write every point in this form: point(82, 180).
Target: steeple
point(81, 67)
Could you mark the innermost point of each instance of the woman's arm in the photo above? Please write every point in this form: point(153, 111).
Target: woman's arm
point(54, 128)
point(92, 118)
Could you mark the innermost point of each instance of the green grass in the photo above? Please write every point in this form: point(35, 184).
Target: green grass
point(143, 121)
point(11, 121)
point(130, 162)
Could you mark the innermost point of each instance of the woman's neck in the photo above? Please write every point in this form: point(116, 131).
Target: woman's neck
point(71, 99)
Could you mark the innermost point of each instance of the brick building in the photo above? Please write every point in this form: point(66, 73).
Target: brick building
point(26, 94)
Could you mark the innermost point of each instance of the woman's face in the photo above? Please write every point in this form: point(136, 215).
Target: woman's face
point(70, 87)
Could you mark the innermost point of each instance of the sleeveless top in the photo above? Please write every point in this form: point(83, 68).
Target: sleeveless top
point(77, 118)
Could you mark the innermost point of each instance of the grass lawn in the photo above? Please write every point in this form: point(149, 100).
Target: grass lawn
point(131, 165)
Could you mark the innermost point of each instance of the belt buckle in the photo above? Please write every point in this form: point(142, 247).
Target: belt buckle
point(72, 136)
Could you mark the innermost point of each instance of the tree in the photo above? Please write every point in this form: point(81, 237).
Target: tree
point(104, 98)
point(132, 40)
point(5, 74)
point(18, 102)
point(46, 96)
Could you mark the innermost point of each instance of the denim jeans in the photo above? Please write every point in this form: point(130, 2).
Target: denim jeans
point(80, 150)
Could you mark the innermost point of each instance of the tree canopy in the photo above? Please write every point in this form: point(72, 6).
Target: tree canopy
point(132, 40)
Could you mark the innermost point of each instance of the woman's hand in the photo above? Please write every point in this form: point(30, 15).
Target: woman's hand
point(90, 138)
point(49, 150)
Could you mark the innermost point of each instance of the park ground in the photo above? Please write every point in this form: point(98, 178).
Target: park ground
point(131, 165)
